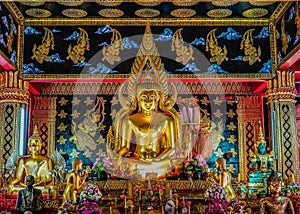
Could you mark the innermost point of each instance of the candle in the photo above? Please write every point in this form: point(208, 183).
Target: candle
point(293, 178)
point(189, 207)
point(125, 202)
point(239, 178)
point(110, 209)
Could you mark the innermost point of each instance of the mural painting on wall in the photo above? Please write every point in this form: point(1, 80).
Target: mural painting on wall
point(288, 31)
point(8, 34)
point(83, 122)
point(111, 50)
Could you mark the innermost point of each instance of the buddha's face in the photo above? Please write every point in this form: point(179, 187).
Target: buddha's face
point(34, 146)
point(275, 186)
point(148, 100)
point(262, 148)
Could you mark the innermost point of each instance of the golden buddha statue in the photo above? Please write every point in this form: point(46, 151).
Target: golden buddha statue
point(147, 131)
point(75, 182)
point(224, 178)
point(40, 167)
point(274, 203)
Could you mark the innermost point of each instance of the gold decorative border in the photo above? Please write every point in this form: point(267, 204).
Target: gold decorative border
point(14, 10)
point(281, 8)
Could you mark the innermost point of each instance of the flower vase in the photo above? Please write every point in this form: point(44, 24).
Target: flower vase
point(197, 175)
point(102, 176)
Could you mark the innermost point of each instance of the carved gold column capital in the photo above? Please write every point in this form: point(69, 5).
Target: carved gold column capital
point(12, 88)
point(282, 87)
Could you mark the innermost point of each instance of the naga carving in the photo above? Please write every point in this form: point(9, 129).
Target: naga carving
point(218, 54)
point(252, 53)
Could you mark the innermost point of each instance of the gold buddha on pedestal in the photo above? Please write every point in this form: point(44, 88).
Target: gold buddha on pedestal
point(147, 130)
point(40, 167)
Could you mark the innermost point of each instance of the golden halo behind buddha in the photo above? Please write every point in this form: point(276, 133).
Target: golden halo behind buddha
point(219, 13)
point(147, 12)
point(255, 13)
point(111, 13)
point(183, 13)
point(74, 13)
point(38, 13)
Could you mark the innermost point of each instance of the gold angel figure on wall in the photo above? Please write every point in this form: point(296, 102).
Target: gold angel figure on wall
point(284, 37)
point(184, 53)
point(76, 53)
point(111, 53)
point(218, 54)
point(10, 37)
point(41, 52)
point(297, 19)
point(251, 53)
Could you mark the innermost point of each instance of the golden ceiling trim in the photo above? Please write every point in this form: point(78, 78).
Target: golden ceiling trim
point(111, 13)
point(74, 13)
point(185, 3)
point(223, 3)
point(14, 10)
point(255, 12)
point(32, 3)
point(148, 3)
point(261, 3)
point(147, 12)
point(183, 13)
point(71, 3)
point(143, 22)
point(38, 13)
point(111, 3)
point(280, 9)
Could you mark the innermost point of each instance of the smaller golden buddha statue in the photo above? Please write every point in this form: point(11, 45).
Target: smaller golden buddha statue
point(262, 166)
point(40, 167)
point(224, 178)
point(274, 203)
point(75, 182)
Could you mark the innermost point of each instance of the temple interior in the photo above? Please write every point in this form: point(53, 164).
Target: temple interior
point(152, 103)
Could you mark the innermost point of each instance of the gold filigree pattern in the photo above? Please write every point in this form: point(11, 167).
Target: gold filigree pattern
point(148, 4)
point(255, 13)
point(147, 12)
point(109, 3)
point(111, 13)
point(32, 3)
point(38, 13)
point(76, 53)
point(183, 13)
point(261, 3)
point(185, 3)
point(219, 13)
point(71, 3)
point(74, 13)
point(284, 37)
point(252, 54)
point(223, 3)
point(183, 52)
point(111, 53)
point(218, 54)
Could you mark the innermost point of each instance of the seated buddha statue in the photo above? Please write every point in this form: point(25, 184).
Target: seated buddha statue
point(262, 167)
point(40, 167)
point(147, 133)
point(274, 203)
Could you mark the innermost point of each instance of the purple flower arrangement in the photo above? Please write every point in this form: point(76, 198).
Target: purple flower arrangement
point(196, 164)
point(216, 197)
point(102, 163)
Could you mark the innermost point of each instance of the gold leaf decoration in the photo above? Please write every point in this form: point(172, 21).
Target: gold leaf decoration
point(183, 13)
point(185, 3)
point(255, 12)
point(38, 13)
point(223, 3)
point(74, 13)
point(147, 12)
point(32, 3)
point(219, 13)
point(71, 3)
point(261, 3)
point(111, 13)
point(148, 4)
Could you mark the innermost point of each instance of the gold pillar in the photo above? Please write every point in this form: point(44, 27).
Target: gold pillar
point(13, 95)
point(281, 100)
point(248, 111)
point(44, 112)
